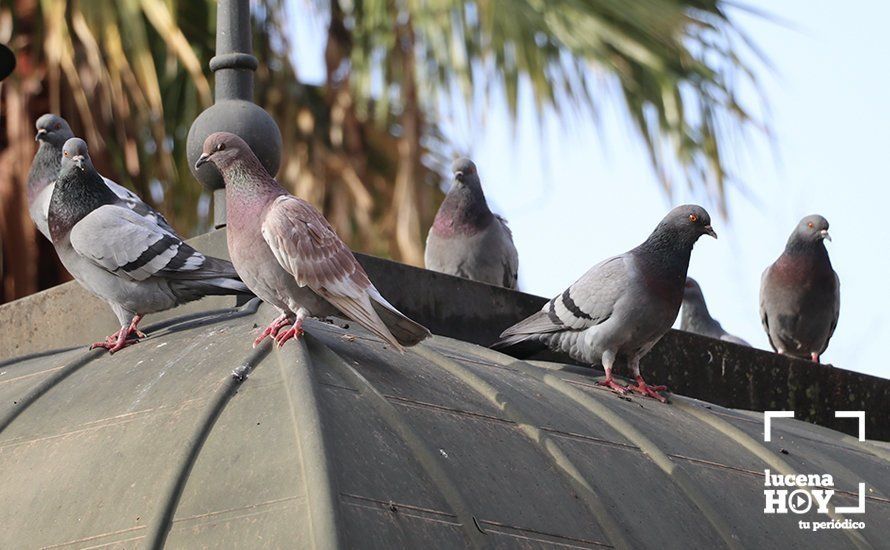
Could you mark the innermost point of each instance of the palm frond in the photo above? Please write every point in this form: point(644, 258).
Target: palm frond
point(676, 68)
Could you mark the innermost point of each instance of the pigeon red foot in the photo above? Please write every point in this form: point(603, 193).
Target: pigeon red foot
point(286, 251)
point(610, 383)
point(293, 332)
point(121, 339)
point(646, 390)
point(273, 328)
point(815, 357)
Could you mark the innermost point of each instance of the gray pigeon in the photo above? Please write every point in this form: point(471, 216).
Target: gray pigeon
point(291, 257)
point(800, 296)
point(466, 239)
point(695, 318)
point(128, 260)
point(622, 306)
point(52, 133)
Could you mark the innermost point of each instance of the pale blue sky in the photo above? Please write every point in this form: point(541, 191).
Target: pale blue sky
point(576, 200)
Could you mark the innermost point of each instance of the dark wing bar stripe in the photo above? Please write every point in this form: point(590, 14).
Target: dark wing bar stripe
point(153, 251)
point(572, 307)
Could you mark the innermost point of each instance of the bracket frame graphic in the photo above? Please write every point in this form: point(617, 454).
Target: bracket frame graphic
point(768, 417)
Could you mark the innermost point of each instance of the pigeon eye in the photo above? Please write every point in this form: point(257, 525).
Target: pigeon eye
point(693, 218)
point(58, 126)
point(221, 147)
point(810, 225)
point(65, 153)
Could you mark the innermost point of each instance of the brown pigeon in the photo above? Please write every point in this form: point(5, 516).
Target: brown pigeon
point(289, 255)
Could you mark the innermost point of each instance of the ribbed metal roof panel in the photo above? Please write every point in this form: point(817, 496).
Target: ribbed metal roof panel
point(194, 439)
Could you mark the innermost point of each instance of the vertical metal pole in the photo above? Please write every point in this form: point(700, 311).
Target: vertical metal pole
point(233, 64)
point(233, 109)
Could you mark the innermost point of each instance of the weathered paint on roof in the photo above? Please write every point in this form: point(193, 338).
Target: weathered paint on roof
point(193, 439)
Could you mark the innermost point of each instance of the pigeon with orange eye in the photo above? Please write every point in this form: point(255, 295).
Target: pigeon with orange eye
point(52, 131)
point(621, 307)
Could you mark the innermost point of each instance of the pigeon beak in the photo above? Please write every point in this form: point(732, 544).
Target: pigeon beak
point(204, 158)
point(710, 231)
point(78, 161)
point(40, 133)
point(824, 234)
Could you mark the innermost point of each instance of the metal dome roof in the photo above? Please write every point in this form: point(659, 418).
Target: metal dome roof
point(192, 438)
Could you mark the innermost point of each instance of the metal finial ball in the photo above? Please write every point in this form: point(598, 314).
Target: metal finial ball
point(243, 118)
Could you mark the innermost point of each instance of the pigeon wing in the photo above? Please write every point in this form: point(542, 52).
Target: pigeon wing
point(589, 301)
point(837, 310)
point(129, 245)
point(306, 246)
point(511, 257)
point(137, 205)
point(764, 316)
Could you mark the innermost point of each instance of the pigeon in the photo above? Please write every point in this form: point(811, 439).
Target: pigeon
point(695, 317)
point(290, 256)
point(130, 261)
point(467, 239)
point(622, 306)
point(800, 296)
point(52, 133)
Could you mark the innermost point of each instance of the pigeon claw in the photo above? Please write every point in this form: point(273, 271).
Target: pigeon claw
point(612, 385)
point(110, 339)
point(272, 330)
point(122, 338)
point(294, 332)
point(646, 390)
point(114, 346)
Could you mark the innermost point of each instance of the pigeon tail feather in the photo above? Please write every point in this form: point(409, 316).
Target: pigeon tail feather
point(406, 331)
point(361, 311)
point(187, 290)
point(540, 322)
point(520, 346)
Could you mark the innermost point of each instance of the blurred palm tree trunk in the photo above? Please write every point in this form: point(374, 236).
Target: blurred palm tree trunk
point(348, 161)
point(405, 204)
point(29, 262)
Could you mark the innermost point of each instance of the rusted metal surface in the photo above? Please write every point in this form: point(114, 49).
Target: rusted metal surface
point(194, 439)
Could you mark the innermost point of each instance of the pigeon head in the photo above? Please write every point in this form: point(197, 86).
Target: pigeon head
point(811, 229)
point(78, 191)
point(464, 208)
point(464, 171)
point(678, 232)
point(688, 222)
point(75, 156)
point(695, 310)
point(221, 148)
point(52, 129)
point(692, 292)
